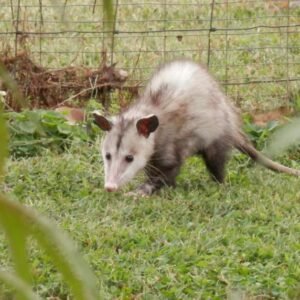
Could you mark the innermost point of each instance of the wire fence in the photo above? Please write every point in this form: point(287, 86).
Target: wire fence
point(251, 46)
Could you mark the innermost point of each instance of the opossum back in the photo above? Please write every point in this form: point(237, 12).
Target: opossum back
point(189, 100)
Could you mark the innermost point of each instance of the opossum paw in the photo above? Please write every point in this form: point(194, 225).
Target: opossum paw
point(144, 190)
point(136, 195)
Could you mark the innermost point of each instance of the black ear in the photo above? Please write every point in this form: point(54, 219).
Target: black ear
point(147, 125)
point(102, 122)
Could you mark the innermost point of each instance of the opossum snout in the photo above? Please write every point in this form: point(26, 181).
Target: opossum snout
point(111, 187)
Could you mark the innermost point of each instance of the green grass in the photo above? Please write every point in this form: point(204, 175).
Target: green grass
point(237, 54)
point(198, 241)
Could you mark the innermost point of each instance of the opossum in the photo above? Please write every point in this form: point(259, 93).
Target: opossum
point(182, 112)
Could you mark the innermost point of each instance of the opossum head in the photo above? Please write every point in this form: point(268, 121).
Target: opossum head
point(126, 148)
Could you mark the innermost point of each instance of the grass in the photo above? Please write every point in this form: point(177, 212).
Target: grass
point(198, 241)
point(237, 54)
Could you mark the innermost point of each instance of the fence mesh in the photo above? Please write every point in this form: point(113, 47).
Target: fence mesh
point(251, 46)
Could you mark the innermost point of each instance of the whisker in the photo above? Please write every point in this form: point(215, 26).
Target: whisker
point(161, 175)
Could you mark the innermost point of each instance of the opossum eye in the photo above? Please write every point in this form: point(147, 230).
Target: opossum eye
point(108, 156)
point(129, 158)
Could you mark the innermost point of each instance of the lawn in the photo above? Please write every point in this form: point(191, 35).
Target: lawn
point(251, 40)
point(200, 240)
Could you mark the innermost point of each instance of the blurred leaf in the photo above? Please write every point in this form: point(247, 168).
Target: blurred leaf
point(3, 143)
point(11, 85)
point(108, 10)
point(16, 235)
point(284, 138)
point(56, 244)
point(18, 221)
point(21, 287)
point(297, 101)
point(294, 293)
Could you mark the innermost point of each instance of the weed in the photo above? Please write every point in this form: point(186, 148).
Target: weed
point(31, 132)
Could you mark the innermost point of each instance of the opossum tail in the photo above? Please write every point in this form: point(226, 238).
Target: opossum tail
point(246, 147)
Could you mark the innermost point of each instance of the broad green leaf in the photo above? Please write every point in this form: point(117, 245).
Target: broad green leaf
point(28, 142)
point(50, 115)
point(22, 288)
point(56, 244)
point(32, 116)
point(64, 129)
point(31, 132)
point(28, 127)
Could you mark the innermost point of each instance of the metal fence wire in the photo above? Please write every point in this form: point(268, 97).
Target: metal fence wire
point(251, 46)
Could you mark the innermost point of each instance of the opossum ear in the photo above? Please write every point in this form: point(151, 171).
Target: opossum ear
point(102, 122)
point(147, 125)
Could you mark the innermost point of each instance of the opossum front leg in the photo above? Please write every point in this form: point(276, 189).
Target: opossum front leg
point(159, 176)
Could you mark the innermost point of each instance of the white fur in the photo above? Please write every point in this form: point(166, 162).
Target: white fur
point(191, 110)
point(186, 83)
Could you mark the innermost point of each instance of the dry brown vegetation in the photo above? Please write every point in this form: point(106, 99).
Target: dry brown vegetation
point(50, 88)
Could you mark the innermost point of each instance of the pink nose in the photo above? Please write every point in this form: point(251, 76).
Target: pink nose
point(111, 187)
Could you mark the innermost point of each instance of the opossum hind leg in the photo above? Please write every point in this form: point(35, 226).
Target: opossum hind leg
point(215, 157)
